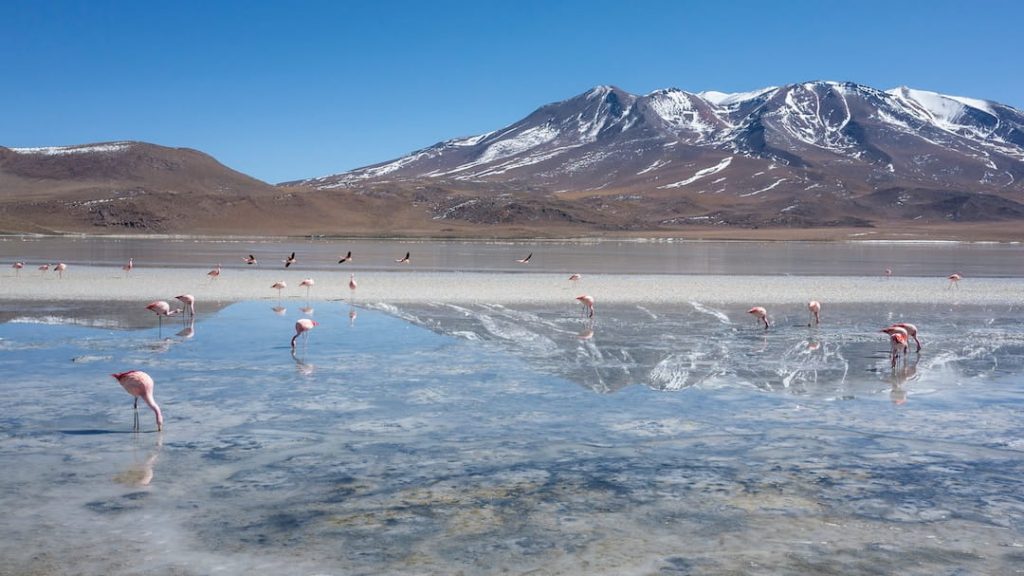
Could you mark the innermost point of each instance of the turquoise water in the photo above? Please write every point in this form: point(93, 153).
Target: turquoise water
point(439, 439)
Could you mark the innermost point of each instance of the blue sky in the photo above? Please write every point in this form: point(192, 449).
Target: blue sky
point(289, 90)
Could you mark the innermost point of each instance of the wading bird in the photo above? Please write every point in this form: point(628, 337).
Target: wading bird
point(911, 331)
point(60, 268)
point(140, 385)
point(17, 267)
point(128, 267)
point(894, 329)
point(215, 273)
point(44, 268)
point(761, 314)
point(302, 326)
point(814, 307)
point(189, 301)
point(161, 309)
point(352, 283)
point(279, 285)
point(897, 347)
point(308, 283)
point(954, 280)
point(588, 304)
point(575, 278)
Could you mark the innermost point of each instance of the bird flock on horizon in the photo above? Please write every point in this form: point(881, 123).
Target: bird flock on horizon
point(141, 385)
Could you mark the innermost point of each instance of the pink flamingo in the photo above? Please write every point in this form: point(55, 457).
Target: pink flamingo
point(761, 314)
point(352, 283)
point(347, 258)
point(588, 304)
point(140, 385)
point(897, 345)
point(214, 274)
point(161, 309)
point(308, 283)
point(575, 278)
point(815, 308)
point(405, 259)
point(43, 268)
point(888, 273)
point(894, 329)
point(911, 331)
point(289, 260)
point(250, 260)
point(60, 268)
point(17, 267)
point(525, 260)
point(279, 285)
point(954, 280)
point(128, 267)
point(301, 326)
point(189, 301)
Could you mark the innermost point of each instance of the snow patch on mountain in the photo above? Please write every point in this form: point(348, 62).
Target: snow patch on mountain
point(701, 173)
point(68, 150)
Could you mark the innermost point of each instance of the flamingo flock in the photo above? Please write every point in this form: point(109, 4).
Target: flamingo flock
point(141, 385)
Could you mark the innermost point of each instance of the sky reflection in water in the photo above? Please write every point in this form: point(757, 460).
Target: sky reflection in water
point(437, 438)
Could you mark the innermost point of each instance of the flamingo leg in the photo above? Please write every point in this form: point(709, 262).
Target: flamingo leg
point(135, 409)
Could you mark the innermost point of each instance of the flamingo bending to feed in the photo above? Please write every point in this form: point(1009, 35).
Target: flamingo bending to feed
point(161, 309)
point(895, 329)
point(140, 385)
point(897, 346)
point(574, 278)
point(588, 304)
point(814, 307)
point(301, 326)
point(189, 301)
point(44, 268)
point(761, 314)
point(954, 280)
point(911, 331)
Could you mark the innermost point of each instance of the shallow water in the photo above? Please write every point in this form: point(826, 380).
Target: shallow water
point(481, 439)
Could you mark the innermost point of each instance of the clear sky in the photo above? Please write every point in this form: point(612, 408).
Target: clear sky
point(290, 90)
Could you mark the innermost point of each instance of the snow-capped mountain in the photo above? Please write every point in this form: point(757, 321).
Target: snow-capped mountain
point(852, 146)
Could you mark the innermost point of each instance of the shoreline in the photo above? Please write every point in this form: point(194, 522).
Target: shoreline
point(102, 283)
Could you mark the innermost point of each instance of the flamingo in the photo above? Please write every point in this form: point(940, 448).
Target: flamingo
point(189, 301)
point(289, 260)
point(250, 260)
point(279, 285)
point(588, 304)
point(128, 267)
point(954, 280)
point(911, 331)
point(897, 344)
point(814, 307)
point(761, 314)
point(347, 258)
point(888, 273)
point(575, 278)
point(308, 282)
point(352, 283)
point(43, 268)
point(140, 385)
point(60, 268)
point(17, 267)
point(895, 329)
point(213, 274)
point(161, 309)
point(404, 260)
point(525, 260)
point(301, 326)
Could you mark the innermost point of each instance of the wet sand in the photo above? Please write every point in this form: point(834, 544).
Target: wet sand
point(89, 283)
